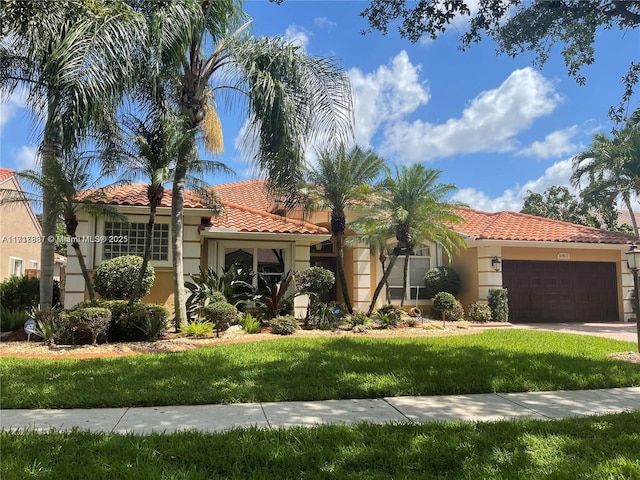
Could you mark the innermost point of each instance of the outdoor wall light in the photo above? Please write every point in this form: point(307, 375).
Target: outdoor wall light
point(495, 263)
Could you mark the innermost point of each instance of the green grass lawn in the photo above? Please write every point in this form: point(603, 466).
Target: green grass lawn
point(606, 447)
point(322, 368)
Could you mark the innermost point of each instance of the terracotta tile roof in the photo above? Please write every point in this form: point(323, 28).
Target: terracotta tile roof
point(5, 173)
point(245, 207)
point(135, 194)
point(519, 226)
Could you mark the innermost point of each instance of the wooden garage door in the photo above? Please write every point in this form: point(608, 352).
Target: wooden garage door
point(560, 291)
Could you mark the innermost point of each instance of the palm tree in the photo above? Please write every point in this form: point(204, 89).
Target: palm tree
point(413, 207)
point(151, 149)
point(339, 181)
point(612, 167)
point(70, 186)
point(73, 58)
point(290, 98)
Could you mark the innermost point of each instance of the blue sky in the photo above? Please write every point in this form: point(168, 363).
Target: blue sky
point(495, 126)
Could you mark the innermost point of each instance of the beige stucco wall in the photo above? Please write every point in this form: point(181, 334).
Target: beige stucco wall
point(18, 225)
point(466, 264)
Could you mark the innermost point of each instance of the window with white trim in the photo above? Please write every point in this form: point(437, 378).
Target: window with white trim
point(418, 266)
point(34, 265)
point(135, 234)
point(16, 266)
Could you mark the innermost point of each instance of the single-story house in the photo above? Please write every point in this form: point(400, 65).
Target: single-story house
point(554, 271)
point(20, 231)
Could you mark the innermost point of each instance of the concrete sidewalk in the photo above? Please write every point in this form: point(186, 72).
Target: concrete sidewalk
point(216, 418)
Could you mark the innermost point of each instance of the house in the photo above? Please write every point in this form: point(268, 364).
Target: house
point(20, 232)
point(555, 271)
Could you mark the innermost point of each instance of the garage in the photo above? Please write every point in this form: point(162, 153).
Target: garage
point(557, 291)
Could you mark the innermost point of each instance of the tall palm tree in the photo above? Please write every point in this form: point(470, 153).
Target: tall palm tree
point(70, 186)
point(290, 98)
point(414, 208)
point(340, 180)
point(612, 167)
point(73, 58)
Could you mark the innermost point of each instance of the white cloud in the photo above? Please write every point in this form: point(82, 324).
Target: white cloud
point(556, 144)
point(297, 35)
point(513, 199)
point(489, 124)
point(10, 107)
point(386, 95)
point(26, 158)
point(324, 22)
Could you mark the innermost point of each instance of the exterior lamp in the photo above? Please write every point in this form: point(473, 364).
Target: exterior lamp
point(633, 262)
point(495, 263)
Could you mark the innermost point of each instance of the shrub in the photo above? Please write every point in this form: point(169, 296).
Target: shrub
point(23, 293)
point(357, 318)
point(221, 314)
point(274, 298)
point(441, 279)
point(52, 327)
point(12, 319)
point(250, 323)
point(322, 316)
point(456, 314)
point(479, 312)
point(443, 302)
point(316, 280)
point(394, 311)
point(284, 325)
point(116, 279)
point(235, 283)
point(142, 322)
point(412, 321)
point(87, 324)
point(386, 320)
point(197, 329)
point(499, 304)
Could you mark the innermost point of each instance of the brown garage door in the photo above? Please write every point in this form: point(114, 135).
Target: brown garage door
point(560, 291)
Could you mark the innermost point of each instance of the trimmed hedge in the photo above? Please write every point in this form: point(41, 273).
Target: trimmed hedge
point(283, 325)
point(116, 279)
point(441, 279)
point(499, 304)
point(221, 314)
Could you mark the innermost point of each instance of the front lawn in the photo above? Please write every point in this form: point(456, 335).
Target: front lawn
point(323, 368)
point(604, 447)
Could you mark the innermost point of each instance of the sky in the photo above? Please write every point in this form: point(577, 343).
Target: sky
point(495, 126)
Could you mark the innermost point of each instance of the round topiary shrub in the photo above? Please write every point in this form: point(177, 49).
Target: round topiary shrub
point(443, 302)
point(116, 279)
point(316, 280)
point(479, 312)
point(216, 297)
point(283, 325)
point(221, 314)
point(441, 279)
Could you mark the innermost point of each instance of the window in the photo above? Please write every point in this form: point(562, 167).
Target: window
point(135, 234)
point(34, 265)
point(418, 266)
point(268, 262)
point(16, 266)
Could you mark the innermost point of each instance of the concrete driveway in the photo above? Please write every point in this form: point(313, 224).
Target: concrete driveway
point(617, 330)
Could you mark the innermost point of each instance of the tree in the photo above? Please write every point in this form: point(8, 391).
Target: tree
point(558, 203)
point(519, 27)
point(413, 208)
point(69, 186)
point(74, 59)
point(612, 167)
point(341, 180)
point(290, 98)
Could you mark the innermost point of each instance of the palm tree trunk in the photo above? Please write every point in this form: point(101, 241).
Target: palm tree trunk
point(341, 275)
point(85, 273)
point(177, 234)
point(634, 223)
point(383, 281)
point(147, 255)
point(404, 279)
point(51, 155)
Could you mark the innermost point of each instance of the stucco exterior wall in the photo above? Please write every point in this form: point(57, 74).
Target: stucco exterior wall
point(18, 224)
point(466, 264)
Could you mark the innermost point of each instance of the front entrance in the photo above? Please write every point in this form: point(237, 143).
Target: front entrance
point(548, 291)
